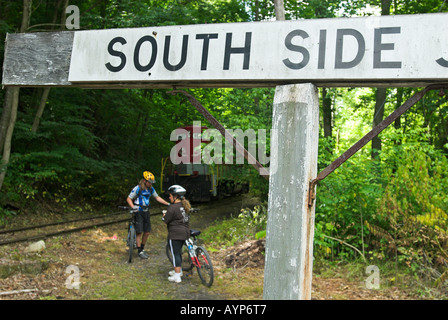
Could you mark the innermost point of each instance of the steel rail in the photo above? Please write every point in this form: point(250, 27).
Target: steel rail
point(56, 223)
point(65, 231)
point(90, 226)
point(57, 233)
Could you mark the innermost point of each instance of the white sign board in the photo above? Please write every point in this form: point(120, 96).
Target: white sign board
point(406, 48)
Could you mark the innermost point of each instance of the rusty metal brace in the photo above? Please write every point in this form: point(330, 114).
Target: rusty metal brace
point(369, 136)
point(247, 155)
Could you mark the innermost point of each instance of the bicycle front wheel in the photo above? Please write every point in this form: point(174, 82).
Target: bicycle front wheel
point(131, 242)
point(204, 267)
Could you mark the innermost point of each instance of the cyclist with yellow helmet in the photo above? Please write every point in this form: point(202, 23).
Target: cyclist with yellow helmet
point(138, 199)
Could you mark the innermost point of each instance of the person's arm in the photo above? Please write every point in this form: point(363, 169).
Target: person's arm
point(132, 196)
point(158, 198)
point(130, 202)
point(161, 200)
point(169, 215)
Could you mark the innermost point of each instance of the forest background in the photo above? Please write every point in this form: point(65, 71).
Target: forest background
point(79, 148)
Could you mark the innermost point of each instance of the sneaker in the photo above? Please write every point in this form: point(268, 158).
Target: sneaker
point(172, 272)
point(143, 255)
point(175, 278)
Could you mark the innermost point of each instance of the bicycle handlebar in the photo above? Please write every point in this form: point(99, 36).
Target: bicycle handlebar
point(129, 208)
point(193, 210)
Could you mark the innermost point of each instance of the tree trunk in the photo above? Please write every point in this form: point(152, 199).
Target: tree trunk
point(385, 7)
point(46, 92)
point(327, 114)
point(11, 91)
point(8, 137)
point(6, 115)
point(380, 98)
point(397, 123)
point(40, 109)
point(380, 95)
point(279, 10)
point(26, 16)
point(13, 99)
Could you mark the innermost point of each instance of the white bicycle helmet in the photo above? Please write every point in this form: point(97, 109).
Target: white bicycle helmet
point(177, 190)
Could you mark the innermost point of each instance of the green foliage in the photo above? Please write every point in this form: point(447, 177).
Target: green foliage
point(5, 214)
point(226, 233)
point(344, 199)
point(250, 224)
point(395, 210)
point(131, 13)
point(264, 10)
point(256, 219)
point(413, 211)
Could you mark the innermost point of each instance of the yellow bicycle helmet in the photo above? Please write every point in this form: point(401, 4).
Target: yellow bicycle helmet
point(149, 177)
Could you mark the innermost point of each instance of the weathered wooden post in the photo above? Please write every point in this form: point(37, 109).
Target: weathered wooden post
point(290, 228)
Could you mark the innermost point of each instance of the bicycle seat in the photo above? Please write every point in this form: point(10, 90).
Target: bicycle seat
point(195, 233)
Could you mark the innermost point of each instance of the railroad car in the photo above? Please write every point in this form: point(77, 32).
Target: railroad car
point(203, 182)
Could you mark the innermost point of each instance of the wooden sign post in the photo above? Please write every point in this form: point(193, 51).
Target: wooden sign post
point(290, 227)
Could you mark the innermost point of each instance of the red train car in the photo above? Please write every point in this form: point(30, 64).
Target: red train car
point(203, 182)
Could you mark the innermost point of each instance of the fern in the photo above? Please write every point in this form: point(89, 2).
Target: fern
point(441, 280)
point(380, 232)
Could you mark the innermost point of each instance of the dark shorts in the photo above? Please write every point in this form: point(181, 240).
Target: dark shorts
point(143, 224)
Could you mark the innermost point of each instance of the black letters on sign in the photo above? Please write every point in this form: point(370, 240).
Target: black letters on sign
point(442, 62)
point(322, 49)
point(293, 47)
point(339, 64)
point(379, 46)
point(137, 64)
point(206, 38)
point(242, 50)
point(112, 52)
point(166, 53)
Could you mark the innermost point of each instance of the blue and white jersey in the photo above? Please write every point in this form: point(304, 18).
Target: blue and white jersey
point(142, 198)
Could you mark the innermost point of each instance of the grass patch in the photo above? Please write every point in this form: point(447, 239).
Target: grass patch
point(225, 233)
point(134, 283)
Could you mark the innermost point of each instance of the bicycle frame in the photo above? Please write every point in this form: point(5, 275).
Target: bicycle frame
point(131, 224)
point(192, 251)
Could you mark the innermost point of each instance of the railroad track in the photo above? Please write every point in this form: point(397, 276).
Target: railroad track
point(10, 236)
point(16, 235)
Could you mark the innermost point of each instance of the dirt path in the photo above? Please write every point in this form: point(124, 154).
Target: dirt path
point(97, 258)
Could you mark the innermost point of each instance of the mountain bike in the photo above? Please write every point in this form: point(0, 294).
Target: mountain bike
point(195, 256)
point(131, 240)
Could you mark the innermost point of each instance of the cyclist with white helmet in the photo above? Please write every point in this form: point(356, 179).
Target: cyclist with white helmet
point(140, 196)
point(176, 219)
